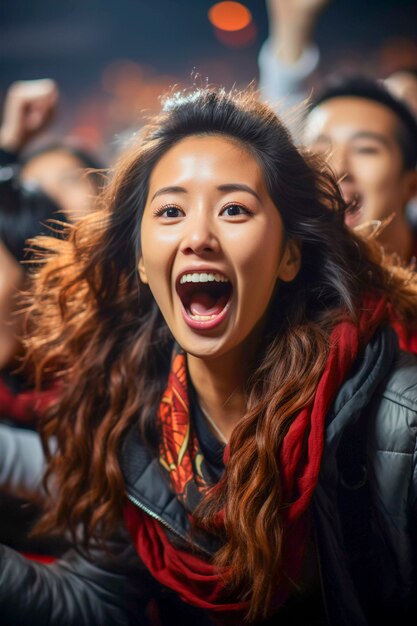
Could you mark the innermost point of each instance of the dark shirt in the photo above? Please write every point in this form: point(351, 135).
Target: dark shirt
point(210, 446)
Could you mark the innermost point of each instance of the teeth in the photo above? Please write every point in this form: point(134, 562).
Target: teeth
point(203, 277)
point(202, 318)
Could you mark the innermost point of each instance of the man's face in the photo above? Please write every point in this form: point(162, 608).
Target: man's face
point(359, 137)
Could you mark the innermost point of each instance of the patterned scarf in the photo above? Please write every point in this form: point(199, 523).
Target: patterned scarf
point(191, 576)
point(179, 450)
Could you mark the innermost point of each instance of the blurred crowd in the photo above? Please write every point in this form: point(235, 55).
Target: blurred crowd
point(366, 128)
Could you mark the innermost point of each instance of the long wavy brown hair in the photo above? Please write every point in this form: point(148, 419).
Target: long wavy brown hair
point(98, 333)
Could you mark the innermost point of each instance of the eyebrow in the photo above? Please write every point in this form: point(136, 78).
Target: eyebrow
point(368, 134)
point(173, 189)
point(225, 187)
point(238, 187)
point(362, 134)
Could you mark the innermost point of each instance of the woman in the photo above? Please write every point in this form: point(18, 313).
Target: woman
point(231, 387)
point(24, 212)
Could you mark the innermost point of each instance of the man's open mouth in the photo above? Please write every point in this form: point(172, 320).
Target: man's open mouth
point(205, 297)
point(354, 210)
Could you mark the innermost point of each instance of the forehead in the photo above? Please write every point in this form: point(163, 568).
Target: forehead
point(207, 158)
point(342, 117)
point(52, 160)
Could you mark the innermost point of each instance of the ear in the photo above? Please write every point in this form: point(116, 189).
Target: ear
point(291, 261)
point(142, 272)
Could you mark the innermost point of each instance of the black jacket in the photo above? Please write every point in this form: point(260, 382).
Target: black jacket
point(364, 514)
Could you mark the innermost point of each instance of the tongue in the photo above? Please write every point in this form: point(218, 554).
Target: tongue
point(202, 303)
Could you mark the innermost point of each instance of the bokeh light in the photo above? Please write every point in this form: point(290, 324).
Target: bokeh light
point(133, 93)
point(229, 16)
point(237, 38)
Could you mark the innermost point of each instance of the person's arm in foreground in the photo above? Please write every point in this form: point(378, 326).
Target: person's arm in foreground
point(104, 589)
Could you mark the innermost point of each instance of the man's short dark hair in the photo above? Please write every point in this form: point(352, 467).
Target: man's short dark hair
point(361, 87)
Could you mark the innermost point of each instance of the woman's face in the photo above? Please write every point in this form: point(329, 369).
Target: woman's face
point(11, 280)
point(212, 244)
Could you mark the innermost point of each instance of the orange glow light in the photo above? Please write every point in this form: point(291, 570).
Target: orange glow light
point(237, 38)
point(229, 16)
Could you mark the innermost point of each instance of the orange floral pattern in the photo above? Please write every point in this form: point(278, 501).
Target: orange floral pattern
point(179, 452)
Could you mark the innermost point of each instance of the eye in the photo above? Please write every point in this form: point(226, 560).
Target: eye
point(169, 211)
point(367, 150)
point(231, 210)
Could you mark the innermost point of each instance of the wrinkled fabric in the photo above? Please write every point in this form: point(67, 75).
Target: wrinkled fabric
point(301, 455)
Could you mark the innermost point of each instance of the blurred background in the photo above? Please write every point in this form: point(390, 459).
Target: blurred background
point(112, 60)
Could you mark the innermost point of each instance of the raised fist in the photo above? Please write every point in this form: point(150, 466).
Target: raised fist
point(28, 109)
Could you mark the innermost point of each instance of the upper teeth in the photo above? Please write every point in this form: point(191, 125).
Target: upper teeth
point(203, 277)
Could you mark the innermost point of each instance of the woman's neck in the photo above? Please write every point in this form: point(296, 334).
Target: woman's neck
point(220, 386)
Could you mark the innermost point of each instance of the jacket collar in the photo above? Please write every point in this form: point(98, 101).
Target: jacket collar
point(148, 489)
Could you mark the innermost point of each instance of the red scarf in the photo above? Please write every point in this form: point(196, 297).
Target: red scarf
point(26, 406)
point(407, 337)
point(194, 579)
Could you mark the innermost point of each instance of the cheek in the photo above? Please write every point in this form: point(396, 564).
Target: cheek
point(377, 176)
point(80, 197)
point(9, 289)
point(257, 262)
point(10, 326)
point(54, 187)
point(157, 255)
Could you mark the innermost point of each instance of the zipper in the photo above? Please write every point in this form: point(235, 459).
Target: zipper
point(158, 518)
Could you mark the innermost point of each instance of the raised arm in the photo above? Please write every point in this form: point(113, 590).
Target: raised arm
point(288, 58)
point(29, 107)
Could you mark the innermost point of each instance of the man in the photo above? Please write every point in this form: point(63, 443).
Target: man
point(368, 136)
point(370, 140)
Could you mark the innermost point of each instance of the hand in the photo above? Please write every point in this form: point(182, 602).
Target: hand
point(292, 24)
point(28, 109)
point(295, 8)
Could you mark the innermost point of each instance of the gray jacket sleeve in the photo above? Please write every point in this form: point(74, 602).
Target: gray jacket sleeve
point(285, 87)
point(22, 462)
point(109, 588)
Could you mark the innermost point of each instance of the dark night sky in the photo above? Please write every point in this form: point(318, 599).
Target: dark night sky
point(73, 40)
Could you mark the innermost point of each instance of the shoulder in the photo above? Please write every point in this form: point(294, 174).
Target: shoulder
point(401, 384)
point(394, 423)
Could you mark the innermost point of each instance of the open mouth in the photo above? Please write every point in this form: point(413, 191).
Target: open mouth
point(205, 298)
point(354, 210)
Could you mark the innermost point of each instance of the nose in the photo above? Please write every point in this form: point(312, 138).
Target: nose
point(199, 236)
point(339, 162)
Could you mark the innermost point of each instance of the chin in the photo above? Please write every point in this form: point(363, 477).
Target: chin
point(203, 349)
